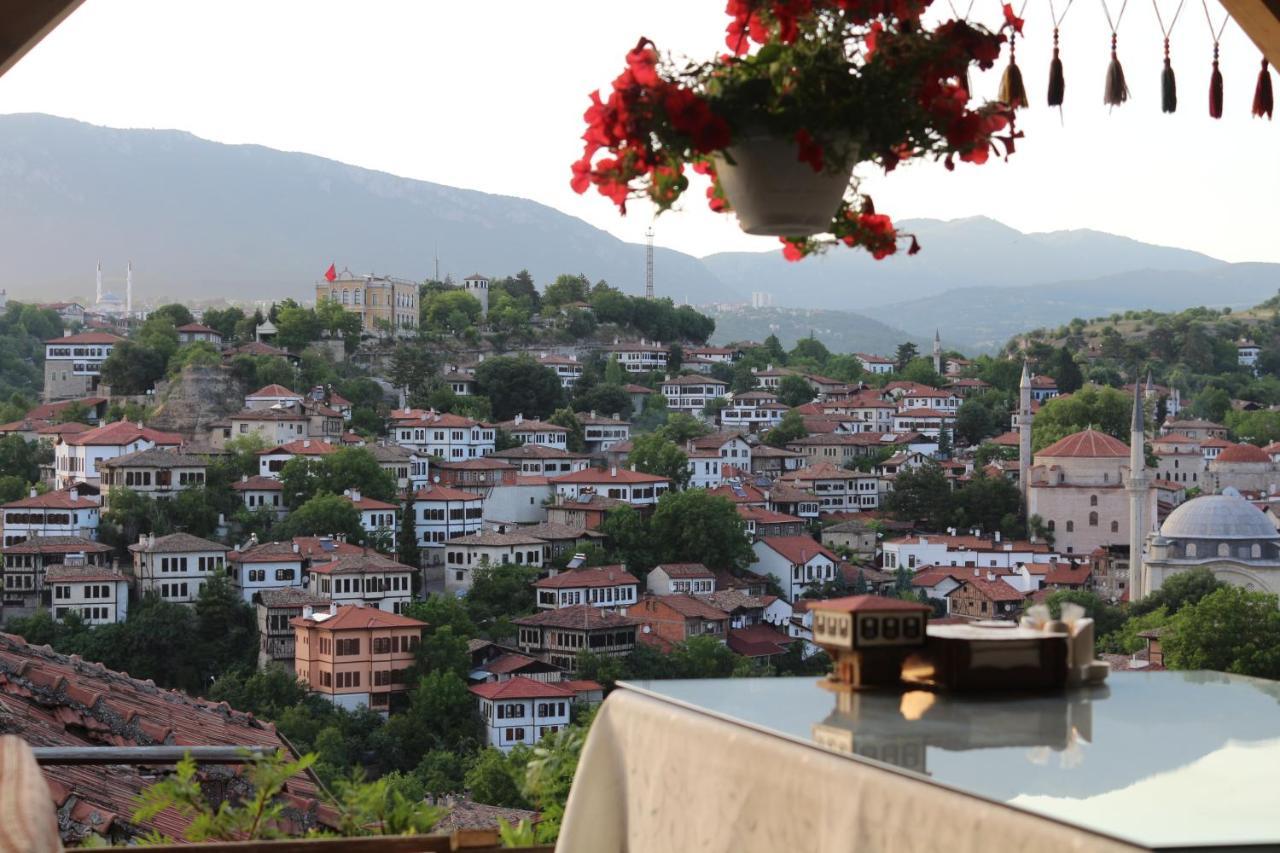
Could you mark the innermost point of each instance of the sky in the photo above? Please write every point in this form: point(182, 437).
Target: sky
point(489, 96)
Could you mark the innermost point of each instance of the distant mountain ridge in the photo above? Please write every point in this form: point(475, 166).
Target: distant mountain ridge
point(203, 220)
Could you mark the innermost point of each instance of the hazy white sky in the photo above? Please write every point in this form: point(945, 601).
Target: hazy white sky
point(490, 96)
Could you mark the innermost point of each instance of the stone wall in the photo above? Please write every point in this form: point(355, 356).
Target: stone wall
point(199, 396)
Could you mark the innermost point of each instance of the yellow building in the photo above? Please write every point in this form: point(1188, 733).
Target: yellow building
point(385, 305)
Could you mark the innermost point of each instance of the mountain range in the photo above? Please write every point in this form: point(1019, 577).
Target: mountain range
point(203, 220)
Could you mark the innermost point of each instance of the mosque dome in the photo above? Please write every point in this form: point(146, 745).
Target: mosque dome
point(1224, 516)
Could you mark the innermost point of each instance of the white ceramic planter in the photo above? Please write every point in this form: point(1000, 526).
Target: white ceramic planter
point(774, 193)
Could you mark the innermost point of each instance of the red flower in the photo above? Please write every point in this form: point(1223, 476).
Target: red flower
point(642, 61)
point(810, 151)
point(1012, 20)
point(793, 250)
point(873, 37)
point(581, 175)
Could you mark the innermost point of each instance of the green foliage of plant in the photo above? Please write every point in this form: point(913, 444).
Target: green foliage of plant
point(519, 385)
point(1106, 409)
point(790, 428)
point(322, 515)
point(305, 477)
point(658, 455)
point(1229, 630)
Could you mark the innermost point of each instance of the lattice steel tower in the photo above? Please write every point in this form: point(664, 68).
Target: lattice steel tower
point(648, 263)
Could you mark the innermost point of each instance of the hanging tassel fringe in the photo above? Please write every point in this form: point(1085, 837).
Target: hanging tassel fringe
point(1168, 89)
point(1117, 92)
point(1057, 85)
point(1215, 88)
point(1012, 91)
point(1263, 101)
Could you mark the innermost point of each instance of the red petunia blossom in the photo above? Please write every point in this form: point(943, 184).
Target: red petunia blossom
point(810, 151)
point(791, 250)
point(581, 175)
point(642, 61)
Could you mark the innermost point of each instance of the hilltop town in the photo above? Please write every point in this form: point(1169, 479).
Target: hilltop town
point(423, 526)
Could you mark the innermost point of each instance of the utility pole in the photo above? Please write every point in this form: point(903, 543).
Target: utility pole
point(648, 263)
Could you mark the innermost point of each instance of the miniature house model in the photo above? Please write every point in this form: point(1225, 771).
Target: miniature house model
point(868, 636)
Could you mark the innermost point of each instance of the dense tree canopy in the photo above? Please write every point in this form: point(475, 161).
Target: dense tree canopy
point(518, 385)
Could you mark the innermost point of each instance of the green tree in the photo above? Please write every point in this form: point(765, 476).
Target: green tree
point(693, 523)
point(944, 443)
point(519, 385)
point(921, 372)
point(494, 778)
point(322, 515)
point(1212, 404)
point(133, 368)
point(1229, 630)
point(812, 349)
point(1065, 371)
point(1105, 409)
point(790, 428)
point(907, 351)
point(794, 391)
point(225, 634)
point(1179, 591)
point(566, 289)
point(304, 477)
point(655, 454)
point(21, 458)
point(576, 441)
point(922, 494)
point(453, 311)
point(177, 315)
point(974, 422)
point(629, 538)
point(605, 399)
point(1106, 617)
point(682, 428)
point(498, 594)
point(412, 368)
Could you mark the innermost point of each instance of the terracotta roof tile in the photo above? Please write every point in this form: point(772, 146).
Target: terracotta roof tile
point(1089, 443)
point(519, 687)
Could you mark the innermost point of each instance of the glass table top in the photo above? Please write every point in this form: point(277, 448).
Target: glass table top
point(1160, 759)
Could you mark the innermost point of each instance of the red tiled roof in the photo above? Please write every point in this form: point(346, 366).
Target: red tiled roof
point(685, 570)
point(798, 549)
point(122, 433)
point(49, 699)
point(357, 619)
point(71, 428)
point(1243, 453)
point(321, 548)
point(520, 687)
point(1067, 574)
point(369, 503)
point(600, 576)
point(273, 390)
point(258, 483)
point(57, 545)
point(48, 411)
point(87, 338)
point(756, 641)
point(359, 564)
point(197, 327)
point(867, 604)
point(578, 616)
point(1089, 443)
point(444, 493)
point(996, 590)
point(267, 552)
point(749, 493)
point(687, 606)
point(60, 499)
point(302, 447)
point(933, 575)
point(766, 516)
point(595, 476)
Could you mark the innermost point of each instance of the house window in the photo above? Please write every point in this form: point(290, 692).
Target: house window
point(1071, 526)
point(1093, 519)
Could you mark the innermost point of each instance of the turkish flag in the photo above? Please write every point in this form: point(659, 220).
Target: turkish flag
point(330, 274)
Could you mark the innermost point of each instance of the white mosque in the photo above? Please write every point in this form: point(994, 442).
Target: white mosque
point(110, 304)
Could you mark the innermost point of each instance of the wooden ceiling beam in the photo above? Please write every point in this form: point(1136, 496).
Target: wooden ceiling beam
point(23, 23)
point(1260, 20)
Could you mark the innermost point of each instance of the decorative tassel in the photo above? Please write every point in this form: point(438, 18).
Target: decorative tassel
point(1012, 92)
point(1263, 102)
point(1057, 85)
point(1215, 87)
point(1168, 85)
point(1117, 92)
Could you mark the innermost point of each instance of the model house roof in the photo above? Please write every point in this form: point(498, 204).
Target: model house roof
point(686, 605)
point(155, 457)
point(193, 328)
point(995, 590)
point(359, 564)
point(268, 552)
point(77, 573)
point(870, 604)
point(537, 451)
point(530, 425)
point(273, 390)
point(258, 483)
point(57, 545)
point(290, 596)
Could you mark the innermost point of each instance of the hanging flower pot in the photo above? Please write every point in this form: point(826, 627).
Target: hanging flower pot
point(780, 124)
point(774, 192)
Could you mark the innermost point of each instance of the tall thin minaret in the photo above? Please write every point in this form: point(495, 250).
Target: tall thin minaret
point(937, 352)
point(128, 291)
point(1024, 436)
point(1137, 488)
point(98, 294)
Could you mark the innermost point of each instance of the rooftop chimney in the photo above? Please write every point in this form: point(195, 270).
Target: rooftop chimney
point(613, 472)
point(976, 571)
point(333, 608)
point(306, 442)
point(307, 611)
point(34, 493)
point(991, 575)
point(355, 494)
point(296, 549)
